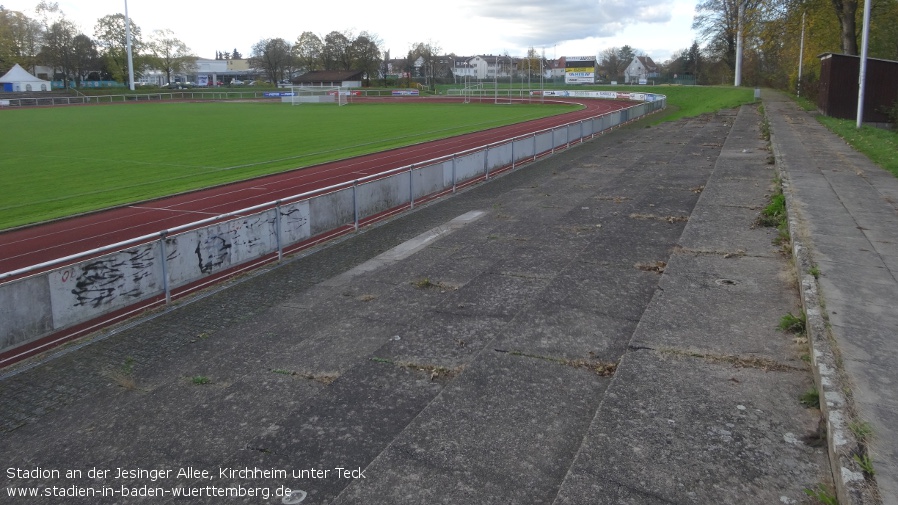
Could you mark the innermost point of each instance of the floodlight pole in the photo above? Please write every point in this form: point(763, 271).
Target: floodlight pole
point(496, 83)
point(801, 54)
point(128, 36)
point(739, 45)
point(862, 79)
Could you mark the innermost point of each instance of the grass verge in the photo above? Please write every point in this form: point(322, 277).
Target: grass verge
point(877, 144)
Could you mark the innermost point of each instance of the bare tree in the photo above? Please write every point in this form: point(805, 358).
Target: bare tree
point(533, 63)
point(717, 23)
point(429, 52)
point(611, 63)
point(273, 57)
point(170, 54)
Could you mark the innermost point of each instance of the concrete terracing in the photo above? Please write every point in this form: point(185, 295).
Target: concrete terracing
point(598, 327)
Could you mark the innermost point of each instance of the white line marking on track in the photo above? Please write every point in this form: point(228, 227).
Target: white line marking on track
point(180, 211)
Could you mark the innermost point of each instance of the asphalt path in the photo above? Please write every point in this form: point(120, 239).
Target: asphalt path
point(23, 247)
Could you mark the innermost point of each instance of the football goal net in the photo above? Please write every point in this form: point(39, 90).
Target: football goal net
point(318, 94)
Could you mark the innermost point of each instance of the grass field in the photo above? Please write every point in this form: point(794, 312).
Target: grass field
point(682, 101)
point(67, 160)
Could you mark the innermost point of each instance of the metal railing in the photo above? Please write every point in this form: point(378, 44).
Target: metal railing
point(84, 290)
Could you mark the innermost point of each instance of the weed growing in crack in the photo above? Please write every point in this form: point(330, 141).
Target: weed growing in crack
point(737, 361)
point(811, 399)
point(200, 380)
point(600, 368)
point(322, 378)
point(822, 495)
point(425, 283)
point(866, 465)
point(433, 371)
point(774, 214)
point(669, 219)
point(655, 266)
point(861, 430)
point(765, 126)
point(123, 376)
point(793, 324)
point(615, 199)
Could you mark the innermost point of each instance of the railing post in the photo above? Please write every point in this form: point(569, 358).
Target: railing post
point(355, 204)
point(163, 260)
point(512, 154)
point(486, 163)
point(411, 187)
point(534, 146)
point(278, 230)
point(454, 176)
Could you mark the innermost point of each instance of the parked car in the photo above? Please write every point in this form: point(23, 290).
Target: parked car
point(236, 82)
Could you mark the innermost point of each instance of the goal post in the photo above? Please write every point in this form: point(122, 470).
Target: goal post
point(318, 94)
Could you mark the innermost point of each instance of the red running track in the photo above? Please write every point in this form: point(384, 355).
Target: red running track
point(36, 244)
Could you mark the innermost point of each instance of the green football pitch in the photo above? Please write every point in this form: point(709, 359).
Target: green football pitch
point(67, 160)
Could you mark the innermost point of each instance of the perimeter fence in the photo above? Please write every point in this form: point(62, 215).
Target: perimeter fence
point(55, 301)
point(54, 100)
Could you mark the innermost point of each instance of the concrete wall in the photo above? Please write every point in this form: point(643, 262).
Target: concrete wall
point(46, 303)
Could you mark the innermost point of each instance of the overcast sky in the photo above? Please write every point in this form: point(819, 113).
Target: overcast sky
point(465, 27)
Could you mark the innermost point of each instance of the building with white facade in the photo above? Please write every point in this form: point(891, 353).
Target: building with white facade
point(640, 70)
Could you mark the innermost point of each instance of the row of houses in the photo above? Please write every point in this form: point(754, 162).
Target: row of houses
point(488, 67)
point(209, 72)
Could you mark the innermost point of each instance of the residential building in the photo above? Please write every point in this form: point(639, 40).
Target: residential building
point(640, 70)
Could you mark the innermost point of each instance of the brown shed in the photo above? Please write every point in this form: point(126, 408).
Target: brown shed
point(839, 75)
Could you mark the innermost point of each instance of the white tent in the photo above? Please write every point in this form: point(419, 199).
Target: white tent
point(19, 80)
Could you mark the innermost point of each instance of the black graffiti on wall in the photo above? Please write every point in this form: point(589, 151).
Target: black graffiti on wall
point(212, 253)
point(239, 239)
point(106, 279)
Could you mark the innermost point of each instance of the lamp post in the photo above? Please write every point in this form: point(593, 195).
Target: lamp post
point(862, 78)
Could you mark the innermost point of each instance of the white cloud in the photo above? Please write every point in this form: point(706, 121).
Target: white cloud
point(539, 23)
point(466, 27)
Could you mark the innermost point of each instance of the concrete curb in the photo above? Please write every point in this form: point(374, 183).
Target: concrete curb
point(832, 384)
